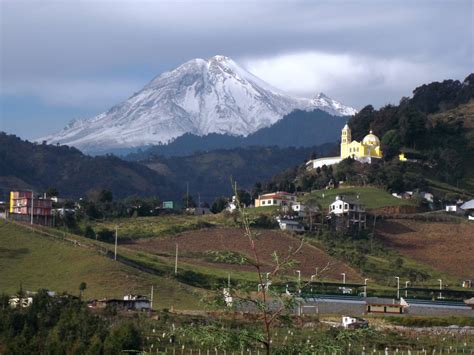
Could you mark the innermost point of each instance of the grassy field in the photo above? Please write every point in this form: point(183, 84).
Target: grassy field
point(36, 261)
point(145, 227)
point(371, 197)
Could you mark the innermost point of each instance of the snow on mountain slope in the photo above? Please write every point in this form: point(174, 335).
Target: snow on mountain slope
point(199, 97)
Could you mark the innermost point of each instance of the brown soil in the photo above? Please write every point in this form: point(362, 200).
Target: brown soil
point(233, 239)
point(447, 247)
point(392, 210)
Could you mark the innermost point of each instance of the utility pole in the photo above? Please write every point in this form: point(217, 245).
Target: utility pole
point(365, 287)
point(440, 288)
point(176, 261)
point(187, 195)
point(398, 287)
point(228, 280)
point(32, 203)
point(151, 298)
point(116, 236)
point(406, 288)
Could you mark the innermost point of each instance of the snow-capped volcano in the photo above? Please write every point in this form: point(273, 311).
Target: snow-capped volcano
point(199, 97)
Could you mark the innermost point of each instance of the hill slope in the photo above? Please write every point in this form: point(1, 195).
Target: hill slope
point(297, 129)
point(35, 261)
point(210, 173)
point(439, 245)
point(25, 165)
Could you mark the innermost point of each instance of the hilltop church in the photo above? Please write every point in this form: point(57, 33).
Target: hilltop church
point(363, 151)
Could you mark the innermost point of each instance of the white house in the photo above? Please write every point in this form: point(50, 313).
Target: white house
point(354, 322)
point(342, 206)
point(279, 198)
point(289, 225)
point(454, 209)
point(469, 208)
point(352, 210)
point(140, 303)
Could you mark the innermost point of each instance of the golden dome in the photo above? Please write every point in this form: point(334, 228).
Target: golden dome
point(371, 139)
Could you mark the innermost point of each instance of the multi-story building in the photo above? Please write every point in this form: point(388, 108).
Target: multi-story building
point(23, 204)
point(346, 212)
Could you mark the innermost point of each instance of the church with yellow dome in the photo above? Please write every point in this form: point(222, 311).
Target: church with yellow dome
point(364, 151)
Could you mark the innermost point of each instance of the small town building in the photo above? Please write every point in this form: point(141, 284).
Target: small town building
point(453, 208)
point(364, 152)
point(468, 207)
point(346, 212)
point(291, 225)
point(300, 208)
point(167, 205)
point(354, 322)
point(279, 198)
point(384, 305)
point(24, 206)
point(129, 303)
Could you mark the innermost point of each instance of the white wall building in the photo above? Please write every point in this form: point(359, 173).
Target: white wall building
point(353, 322)
point(279, 198)
point(352, 210)
point(290, 225)
point(342, 206)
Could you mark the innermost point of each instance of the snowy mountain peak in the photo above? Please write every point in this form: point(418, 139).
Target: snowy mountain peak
point(199, 97)
point(331, 106)
point(220, 58)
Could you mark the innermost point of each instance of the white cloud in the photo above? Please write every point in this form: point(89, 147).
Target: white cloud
point(345, 77)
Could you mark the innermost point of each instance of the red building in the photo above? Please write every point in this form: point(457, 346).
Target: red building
point(21, 203)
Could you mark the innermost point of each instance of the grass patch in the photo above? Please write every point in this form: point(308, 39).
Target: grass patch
point(36, 261)
point(146, 227)
point(371, 197)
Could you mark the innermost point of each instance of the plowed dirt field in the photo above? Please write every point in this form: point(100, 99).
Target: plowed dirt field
point(232, 239)
point(447, 247)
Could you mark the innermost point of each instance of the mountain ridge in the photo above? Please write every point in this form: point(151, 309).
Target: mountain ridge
point(198, 97)
point(297, 129)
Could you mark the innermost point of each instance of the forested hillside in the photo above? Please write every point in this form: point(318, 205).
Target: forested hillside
point(27, 165)
point(297, 129)
point(209, 173)
point(24, 165)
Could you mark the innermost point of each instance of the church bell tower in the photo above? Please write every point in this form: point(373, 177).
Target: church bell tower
point(346, 139)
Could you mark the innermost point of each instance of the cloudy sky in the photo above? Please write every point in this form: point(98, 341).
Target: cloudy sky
point(72, 59)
